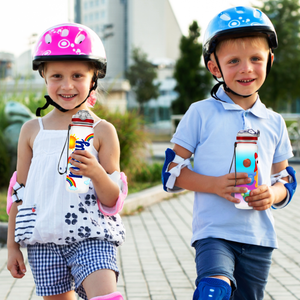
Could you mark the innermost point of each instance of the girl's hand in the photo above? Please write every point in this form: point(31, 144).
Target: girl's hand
point(15, 263)
point(88, 164)
point(261, 198)
point(225, 185)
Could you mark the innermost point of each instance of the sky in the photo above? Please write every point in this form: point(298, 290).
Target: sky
point(19, 19)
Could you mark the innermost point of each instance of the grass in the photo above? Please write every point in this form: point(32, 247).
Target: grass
point(133, 188)
point(3, 214)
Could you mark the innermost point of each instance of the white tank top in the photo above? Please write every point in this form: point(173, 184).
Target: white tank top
point(51, 214)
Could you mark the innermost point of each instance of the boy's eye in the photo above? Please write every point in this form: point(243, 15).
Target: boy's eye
point(77, 76)
point(255, 58)
point(234, 61)
point(56, 76)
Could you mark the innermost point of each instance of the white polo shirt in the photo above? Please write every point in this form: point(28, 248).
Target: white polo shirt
point(208, 130)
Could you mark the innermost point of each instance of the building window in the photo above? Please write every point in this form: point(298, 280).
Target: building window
point(91, 3)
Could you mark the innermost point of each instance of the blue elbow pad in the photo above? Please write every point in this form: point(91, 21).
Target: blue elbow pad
point(168, 177)
point(290, 186)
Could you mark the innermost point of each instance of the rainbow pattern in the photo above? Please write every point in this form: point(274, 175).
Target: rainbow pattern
point(90, 136)
point(71, 181)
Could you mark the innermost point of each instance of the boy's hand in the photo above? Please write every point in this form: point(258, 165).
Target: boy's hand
point(225, 185)
point(15, 263)
point(261, 198)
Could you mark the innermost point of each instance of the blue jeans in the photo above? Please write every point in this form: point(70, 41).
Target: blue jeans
point(247, 266)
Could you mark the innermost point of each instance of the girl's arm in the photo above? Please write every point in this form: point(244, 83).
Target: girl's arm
point(15, 263)
point(107, 143)
point(223, 186)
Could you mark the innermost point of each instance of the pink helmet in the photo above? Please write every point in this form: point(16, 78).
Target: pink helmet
point(70, 41)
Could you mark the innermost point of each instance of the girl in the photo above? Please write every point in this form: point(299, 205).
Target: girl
point(71, 240)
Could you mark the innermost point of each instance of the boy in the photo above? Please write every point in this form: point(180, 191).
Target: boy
point(233, 246)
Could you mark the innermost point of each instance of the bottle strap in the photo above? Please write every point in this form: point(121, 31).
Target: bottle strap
point(62, 152)
point(233, 158)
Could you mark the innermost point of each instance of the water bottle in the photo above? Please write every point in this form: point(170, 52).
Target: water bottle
point(246, 159)
point(80, 137)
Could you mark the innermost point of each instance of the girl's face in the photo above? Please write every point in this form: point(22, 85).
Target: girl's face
point(68, 83)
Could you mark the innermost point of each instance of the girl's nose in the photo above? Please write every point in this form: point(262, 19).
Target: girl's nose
point(67, 84)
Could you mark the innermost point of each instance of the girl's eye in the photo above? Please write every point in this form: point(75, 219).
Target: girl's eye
point(77, 76)
point(56, 76)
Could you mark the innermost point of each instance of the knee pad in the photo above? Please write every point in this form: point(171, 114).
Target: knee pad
point(168, 177)
point(112, 296)
point(212, 289)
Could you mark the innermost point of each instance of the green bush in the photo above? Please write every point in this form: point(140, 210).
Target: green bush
point(129, 126)
point(148, 173)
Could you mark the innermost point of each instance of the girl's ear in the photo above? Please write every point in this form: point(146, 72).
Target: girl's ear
point(213, 68)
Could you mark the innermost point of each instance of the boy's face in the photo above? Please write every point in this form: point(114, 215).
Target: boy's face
point(243, 63)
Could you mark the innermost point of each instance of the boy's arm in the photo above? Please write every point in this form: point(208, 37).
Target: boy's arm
point(223, 186)
point(265, 196)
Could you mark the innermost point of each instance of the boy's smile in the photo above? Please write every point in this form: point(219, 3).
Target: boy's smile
point(243, 63)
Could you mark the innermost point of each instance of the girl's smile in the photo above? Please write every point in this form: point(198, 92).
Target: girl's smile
point(68, 83)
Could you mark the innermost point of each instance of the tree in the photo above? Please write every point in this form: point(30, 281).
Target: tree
point(282, 85)
point(193, 80)
point(141, 75)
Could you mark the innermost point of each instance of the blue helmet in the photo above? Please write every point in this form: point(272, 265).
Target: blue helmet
point(238, 21)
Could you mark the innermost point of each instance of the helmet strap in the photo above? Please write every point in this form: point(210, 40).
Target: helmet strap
point(49, 101)
point(226, 88)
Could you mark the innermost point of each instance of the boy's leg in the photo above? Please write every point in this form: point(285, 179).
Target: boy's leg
point(214, 261)
point(251, 272)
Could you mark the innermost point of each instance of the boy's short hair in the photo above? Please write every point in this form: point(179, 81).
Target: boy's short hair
point(255, 40)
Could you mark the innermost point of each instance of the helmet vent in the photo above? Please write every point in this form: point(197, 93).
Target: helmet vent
point(240, 10)
point(79, 38)
point(65, 32)
point(48, 39)
point(257, 14)
point(225, 17)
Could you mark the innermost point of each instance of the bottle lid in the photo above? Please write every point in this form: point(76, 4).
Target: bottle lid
point(82, 117)
point(249, 135)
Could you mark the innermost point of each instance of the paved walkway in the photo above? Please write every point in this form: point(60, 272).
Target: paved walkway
point(157, 262)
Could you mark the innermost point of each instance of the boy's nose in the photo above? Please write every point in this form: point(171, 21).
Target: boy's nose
point(246, 67)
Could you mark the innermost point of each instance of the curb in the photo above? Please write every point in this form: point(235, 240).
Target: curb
point(132, 203)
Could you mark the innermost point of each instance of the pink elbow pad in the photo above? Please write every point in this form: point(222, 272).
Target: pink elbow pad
point(121, 179)
point(10, 201)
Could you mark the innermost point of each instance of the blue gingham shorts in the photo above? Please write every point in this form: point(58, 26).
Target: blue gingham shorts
point(58, 269)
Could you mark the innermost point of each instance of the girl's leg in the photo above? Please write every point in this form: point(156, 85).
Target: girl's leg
point(100, 283)
point(66, 296)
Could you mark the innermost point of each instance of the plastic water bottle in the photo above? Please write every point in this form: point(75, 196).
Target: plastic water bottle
point(81, 136)
point(246, 159)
